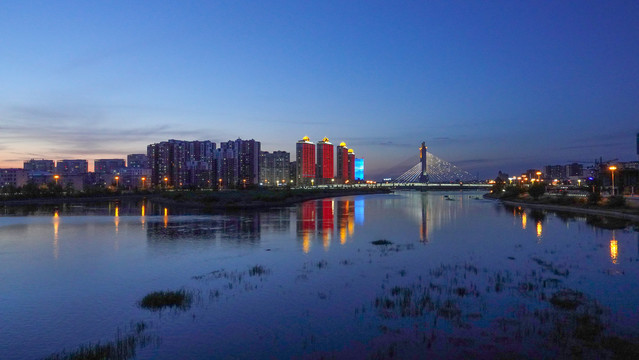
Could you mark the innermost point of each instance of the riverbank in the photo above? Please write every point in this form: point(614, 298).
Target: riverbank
point(626, 213)
point(256, 199)
point(210, 200)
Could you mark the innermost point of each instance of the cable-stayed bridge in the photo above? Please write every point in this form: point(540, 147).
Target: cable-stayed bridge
point(437, 171)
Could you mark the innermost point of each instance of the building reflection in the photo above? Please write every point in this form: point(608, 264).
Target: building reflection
point(56, 238)
point(326, 219)
point(232, 227)
point(614, 248)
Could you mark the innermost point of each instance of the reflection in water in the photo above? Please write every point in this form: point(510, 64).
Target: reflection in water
point(56, 226)
point(166, 217)
point(239, 227)
point(613, 248)
point(524, 220)
point(117, 219)
point(326, 217)
point(143, 216)
point(423, 227)
point(539, 228)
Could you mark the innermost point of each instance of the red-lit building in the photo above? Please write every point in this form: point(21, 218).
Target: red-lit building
point(342, 163)
point(351, 166)
point(305, 161)
point(325, 171)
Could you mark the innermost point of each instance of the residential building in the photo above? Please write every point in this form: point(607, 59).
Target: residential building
point(325, 159)
point(305, 160)
point(137, 161)
point(13, 177)
point(342, 163)
point(359, 169)
point(39, 165)
point(72, 167)
point(351, 165)
point(108, 166)
point(274, 168)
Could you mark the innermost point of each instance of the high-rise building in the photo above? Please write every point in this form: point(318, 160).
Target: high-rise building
point(574, 170)
point(248, 159)
point(305, 159)
point(72, 167)
point(137, 161)
point(351, 165)
point(342, 163)
point(108, 166)
point(359, 169)
point(39, 165)
point(637, 144)
point(325, 161)
point(552, 172)
point(274, 168)
point(13, 177)
point(182, 163)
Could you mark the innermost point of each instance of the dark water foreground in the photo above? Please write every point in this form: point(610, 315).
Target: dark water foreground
point(455, 277)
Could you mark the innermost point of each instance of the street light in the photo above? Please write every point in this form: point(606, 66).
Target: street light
point(143, 180)
point(612, 169)
point(117, 181)
point(538, 175)
point(56, 177)
point(166, 181)
point(220, 187)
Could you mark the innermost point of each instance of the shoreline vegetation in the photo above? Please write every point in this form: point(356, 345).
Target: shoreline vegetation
point(594, 204)
point(211, 200)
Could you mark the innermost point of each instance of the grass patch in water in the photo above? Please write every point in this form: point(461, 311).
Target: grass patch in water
point(158, 300)
point(381, 242)
point(258, 270)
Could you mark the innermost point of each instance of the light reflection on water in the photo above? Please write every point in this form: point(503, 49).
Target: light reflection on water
point(324, 274)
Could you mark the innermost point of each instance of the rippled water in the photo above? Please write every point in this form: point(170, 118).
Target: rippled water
point(462, 277)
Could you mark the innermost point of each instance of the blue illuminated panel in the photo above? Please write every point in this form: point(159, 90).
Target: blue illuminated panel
point(359, 169)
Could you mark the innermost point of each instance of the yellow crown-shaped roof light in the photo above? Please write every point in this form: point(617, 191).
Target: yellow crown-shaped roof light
point(305, 138)
point(342, 144)
point(351, 151)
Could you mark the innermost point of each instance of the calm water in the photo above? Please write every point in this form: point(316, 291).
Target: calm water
point(462, 277)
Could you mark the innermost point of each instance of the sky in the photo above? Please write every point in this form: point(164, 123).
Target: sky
point(488, 85)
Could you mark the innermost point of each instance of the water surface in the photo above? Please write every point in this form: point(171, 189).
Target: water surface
point(463, 277)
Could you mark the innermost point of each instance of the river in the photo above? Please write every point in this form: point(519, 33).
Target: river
point(458, 276)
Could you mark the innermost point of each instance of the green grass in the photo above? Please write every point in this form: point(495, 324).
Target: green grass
point(159, 300)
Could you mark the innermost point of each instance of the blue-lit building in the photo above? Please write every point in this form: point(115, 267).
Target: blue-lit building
point(359, 169)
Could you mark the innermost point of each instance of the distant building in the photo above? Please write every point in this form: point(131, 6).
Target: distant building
point(248, 155)
point(359, 169)
point(574, 170)
point(342, 163)
point(275, 168)
point(423, 160)
point(552, 172)
point(351, 165)
point(305, 160)
point(182, 164)
point(137, 161)
point(72, 167)
point(39, 165)
point(108, 166)
point(638, 145)
point(13, 177)
point(325, 159)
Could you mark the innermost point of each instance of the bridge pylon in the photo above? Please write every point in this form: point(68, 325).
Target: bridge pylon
point(423, 159)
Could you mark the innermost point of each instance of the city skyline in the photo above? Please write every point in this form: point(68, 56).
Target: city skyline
point(488, 86)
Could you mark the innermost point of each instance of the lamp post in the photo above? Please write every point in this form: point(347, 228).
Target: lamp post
point(117, 182)
point(612, 169)
point(220, 186)
point(143, 180)
point(538, 175)
point(166, 182)
point(56, 177)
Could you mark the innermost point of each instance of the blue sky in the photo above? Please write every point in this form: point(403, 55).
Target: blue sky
point(495, 85)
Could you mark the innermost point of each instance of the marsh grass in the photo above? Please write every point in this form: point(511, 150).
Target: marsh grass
point(122, 348)
point(158, 300)
point(382, 242)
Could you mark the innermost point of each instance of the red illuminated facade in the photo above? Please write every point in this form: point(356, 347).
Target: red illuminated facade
point(325, 171)
point(305, 158)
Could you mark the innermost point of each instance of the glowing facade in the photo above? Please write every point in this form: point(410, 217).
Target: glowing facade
point(305, 161)
point(359, 169)
point(325, 170)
